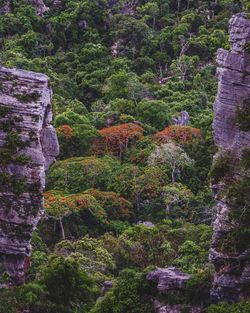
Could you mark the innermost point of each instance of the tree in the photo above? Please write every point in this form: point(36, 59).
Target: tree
point(75, 175)
point(185, 66)
point(153, 112)
point(91, 255)
point(176, 195)
point(116, 139)
point(150, 10)
point(171, 154)
point(122, 299)
point(131, 34)
point(124, 85)
point(180, 134)
point(59, 206)
point(122, 106)
point(75, 134)
point(115, 206)
point(76, 287)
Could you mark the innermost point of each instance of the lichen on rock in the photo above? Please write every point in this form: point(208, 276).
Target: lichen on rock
point(28, 145)
point(230, 250)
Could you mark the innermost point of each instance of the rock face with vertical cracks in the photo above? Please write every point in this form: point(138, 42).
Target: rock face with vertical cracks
point(230, 250)
point(28, 145)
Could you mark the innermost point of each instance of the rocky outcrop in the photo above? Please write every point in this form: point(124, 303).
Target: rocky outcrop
point(107, 285)
point(230, 250)
point(28, 145)
point(176, 308)
point(182, 119)
point(5, 8)
point(39, 6)
point(168, 279)
point(172, 289)
point(57, 4)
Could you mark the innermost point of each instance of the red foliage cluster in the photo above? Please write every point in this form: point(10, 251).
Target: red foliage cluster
point(117, 207)
point(65, 130)
point(75, 202)
point(115, 139)
point(180, 134)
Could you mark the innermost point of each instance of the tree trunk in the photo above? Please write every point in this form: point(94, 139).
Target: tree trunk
point(178, 5)
point(62, 228)
point(173, 174)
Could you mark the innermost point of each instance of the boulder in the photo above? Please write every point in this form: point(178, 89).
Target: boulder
point(168, 279)
point(107, 285)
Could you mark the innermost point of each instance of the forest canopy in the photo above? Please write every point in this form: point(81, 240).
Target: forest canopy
point(133, 89)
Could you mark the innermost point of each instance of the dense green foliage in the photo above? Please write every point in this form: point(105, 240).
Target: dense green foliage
point(120, 73)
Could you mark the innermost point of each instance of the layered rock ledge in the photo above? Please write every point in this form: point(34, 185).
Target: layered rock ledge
point(230, 250)
point(28, 145)
point(171, 285)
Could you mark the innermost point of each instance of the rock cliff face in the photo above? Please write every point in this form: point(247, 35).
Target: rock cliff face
point(230, 250)
point(28, 145)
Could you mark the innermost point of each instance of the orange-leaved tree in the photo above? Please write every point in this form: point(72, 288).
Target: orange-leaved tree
point(180, 134)
point(115, 139)
point(116, 207)
point(65, 130)
point(58, 206)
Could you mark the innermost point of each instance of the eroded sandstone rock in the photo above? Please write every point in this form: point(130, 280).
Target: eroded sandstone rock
point(171, 287)
point(28, 145)
point(168, 279)
point(107, 285)
point(39, 6)
point(176, 308)
point(5, 8)
point(230, 250)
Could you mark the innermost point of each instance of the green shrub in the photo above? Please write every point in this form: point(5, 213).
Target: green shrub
point(199, 285)
point(129, 294)
point(243, 307)
point(12, 183)
point(245, 159)
point(221, 166)
point(239, 199)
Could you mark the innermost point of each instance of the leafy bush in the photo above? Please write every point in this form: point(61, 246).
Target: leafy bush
point(122, 299)
point(221, 166)
point(242, 307)
point(153, 112)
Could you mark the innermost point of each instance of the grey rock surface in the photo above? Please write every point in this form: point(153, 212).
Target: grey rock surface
point(39, 6)
point(168, 279)
point(231, 280)
point(107, 285)
point(28, 145)
point(176, 308)
point(57, 4)
point(169, 282)
point(182, 120)
point(5, 8)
